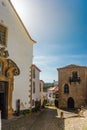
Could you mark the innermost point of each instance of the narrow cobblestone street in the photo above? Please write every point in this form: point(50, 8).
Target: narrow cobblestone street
point(46, 121)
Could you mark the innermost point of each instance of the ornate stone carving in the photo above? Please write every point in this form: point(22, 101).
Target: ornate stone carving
point(9, 70)
point(3, 53)
point(12, 68)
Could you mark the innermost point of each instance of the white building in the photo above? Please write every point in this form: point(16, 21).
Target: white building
point(51, 95)
point(41, 91)
point(35, 97)
point(16, 52)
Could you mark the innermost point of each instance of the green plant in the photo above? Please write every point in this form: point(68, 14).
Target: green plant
point(26, 112)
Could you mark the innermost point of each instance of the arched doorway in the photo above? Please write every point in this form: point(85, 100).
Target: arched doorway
point(70, 103)
point(56, 103)
point(8, 69)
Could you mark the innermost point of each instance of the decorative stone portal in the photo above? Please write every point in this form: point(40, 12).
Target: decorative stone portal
point(70, 103)
point(3, 98)
point(8, 69)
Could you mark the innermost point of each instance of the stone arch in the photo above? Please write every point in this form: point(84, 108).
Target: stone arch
point(70, 103)
point(9, 70)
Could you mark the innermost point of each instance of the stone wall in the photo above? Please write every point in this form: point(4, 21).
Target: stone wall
point(77, 90)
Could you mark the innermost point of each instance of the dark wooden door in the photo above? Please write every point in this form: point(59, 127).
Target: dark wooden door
point(3, 98)
point(70, 103)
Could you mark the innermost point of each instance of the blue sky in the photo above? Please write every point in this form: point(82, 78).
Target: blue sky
point(60, 29)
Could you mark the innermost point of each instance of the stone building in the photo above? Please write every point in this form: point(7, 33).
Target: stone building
point(72, 86)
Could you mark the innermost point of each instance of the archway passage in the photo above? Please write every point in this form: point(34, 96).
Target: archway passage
point(3, 98)
point(70, 103)
point(56, 103)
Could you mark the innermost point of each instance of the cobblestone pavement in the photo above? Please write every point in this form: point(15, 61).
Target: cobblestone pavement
point(47, 120)
point(20, 123)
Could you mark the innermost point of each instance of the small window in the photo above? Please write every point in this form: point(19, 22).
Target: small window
point(40, 87)
point(33, 87)
point(0, 68)
point(49, 94)
point(66, 88)
point(3, 35)
point(33, 71)
point(33, 102)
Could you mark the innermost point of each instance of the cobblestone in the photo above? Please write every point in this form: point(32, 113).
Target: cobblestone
point(47, 119)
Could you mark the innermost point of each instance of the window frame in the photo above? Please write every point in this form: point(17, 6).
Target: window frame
point(66, 89)
point(3, 29)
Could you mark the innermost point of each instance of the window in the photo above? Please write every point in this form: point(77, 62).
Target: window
point(0, 68)
point(33, 87)
point(66, 88)
point(49, 94)
point(74, 77)
point(40, 87)
point(74, 74)
point(3, 35)
point(33, 102)
point(33, 73)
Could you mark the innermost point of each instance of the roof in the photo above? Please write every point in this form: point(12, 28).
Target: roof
point(21, 22)
point(33, 65)
point(54, 89)
point(72, 66)
point(42, 81)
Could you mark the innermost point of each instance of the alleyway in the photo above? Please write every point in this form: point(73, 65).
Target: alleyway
point(46, 121)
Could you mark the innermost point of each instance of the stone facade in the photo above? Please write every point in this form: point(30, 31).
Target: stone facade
point(72, 86)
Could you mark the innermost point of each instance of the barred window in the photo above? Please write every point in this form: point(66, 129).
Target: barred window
point(66, 89)
point(3, 35)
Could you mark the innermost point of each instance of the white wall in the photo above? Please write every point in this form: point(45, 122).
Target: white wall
point(20, 48)
point(41, 93)
point(36, 95)
point(50, 97)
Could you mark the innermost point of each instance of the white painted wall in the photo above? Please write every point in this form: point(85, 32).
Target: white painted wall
point(41, 92)
point(20, 48)
point(50, 97)
point(36, 95)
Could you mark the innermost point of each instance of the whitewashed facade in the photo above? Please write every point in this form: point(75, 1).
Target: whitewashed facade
point(51, 95)
point(35, 85)
point(19, 45)
point(41, 92)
